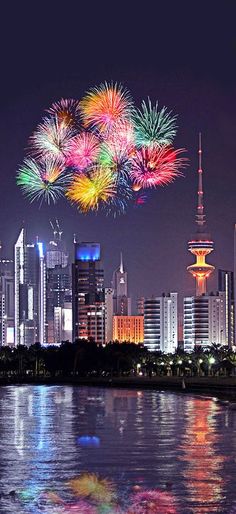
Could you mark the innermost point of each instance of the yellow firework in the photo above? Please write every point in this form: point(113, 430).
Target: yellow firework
point(88, 191)
point(91, 486)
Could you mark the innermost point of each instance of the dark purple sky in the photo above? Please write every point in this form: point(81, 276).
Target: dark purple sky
point(184, 55)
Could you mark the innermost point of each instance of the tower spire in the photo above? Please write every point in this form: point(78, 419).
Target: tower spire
point(200, 217)
point(121, 263)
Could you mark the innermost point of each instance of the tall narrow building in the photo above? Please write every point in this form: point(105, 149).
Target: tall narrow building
point(226, 284)
point(29, 292)
point(201, 243)
point(6, 302)
point(58, 290)
point(121, 300)
point(88, 302)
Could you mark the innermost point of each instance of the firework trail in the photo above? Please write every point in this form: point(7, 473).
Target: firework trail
point(153, 126)
point(52, 139)
point(66, 111)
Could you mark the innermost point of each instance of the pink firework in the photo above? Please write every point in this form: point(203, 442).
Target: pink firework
point(156, 166)
point(84, 150)
point(121, 138)
point(152, 502)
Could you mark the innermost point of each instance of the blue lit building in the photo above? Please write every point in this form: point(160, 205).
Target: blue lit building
point(88, 307)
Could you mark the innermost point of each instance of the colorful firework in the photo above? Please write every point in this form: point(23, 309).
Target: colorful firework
point(88, 191)
point(95, 488)
point(152, 502)
point(156, 166)
point(105, 105)
point(66, 111)
point(44, 180)
point(81, 507)
point(52, 139)
point(153, 126)
point(84, 150)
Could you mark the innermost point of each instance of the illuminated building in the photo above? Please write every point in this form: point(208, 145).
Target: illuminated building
point(161, 323)
point(226, 284)
point(108, 314)
point(235, 284)
point(58, 281)
point(29, 292)
point(6, 302)
point(201, 243)
point(88, 293)
point(121, 301)
point(204, 320)
point(140, 306)
point(128, 329)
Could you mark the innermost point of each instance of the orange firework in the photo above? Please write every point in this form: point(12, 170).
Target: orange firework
point(105, 105)
point(91, 486)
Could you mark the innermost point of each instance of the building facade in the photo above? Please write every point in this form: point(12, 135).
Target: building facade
point(88, 301)
point(226, 284)
point(204, 321)
point(161, 323)
point(108, 314)
point(6, 302)
point(29, 292)
point(128, 329)
point(121, 300)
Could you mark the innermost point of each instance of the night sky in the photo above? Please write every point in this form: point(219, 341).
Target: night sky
point(184, 55)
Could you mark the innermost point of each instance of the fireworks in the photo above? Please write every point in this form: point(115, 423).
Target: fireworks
point(43, 180)
point(101, 152)
point(52, 139)
point(88, 191)
point(84, 150)
point(66, 111)
point(93, 487)
point(156, 166)
point(105, 105)
point(153, 126)
point(152, 502)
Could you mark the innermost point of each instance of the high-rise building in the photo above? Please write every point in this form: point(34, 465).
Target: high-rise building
point(128, 329)
point(235, 285)
point(29, 291)
point(121, 301)
point(58, 287)
point(88, 303)
point(108, 314)
point(140, 306)
point(226, 284)
point(201, 243)
point(161, 323)
point(6, 302)
point(204, 321)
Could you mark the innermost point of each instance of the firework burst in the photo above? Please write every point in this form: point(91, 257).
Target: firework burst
point(44, 180)
point(152, 502)
point(105, 105)
point(66, 111)
point(92, 487)
point(84, 150)
point(91, 190)
point(156, 166)
point(52, 139)
point(153, 126)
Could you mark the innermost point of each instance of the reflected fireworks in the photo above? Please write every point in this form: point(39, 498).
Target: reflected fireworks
point(102, 131)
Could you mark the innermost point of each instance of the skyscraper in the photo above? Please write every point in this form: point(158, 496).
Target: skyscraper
point(6, 302)
point(88, 293)
point(121, 301)
point(226, 284)
point(201, 243)
point(204, 320)
point(108, 314)
point(58, 290)
point(29, 291)
point(161, 323)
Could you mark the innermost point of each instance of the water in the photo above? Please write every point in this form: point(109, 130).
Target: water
point(140, 440)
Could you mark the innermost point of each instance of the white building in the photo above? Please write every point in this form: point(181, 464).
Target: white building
point(161, 323)
point(108, 314)
point(204, 320)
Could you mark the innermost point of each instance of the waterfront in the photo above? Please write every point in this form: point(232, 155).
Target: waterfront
point(140, 440)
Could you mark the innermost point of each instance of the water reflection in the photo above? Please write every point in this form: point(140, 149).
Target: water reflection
point(140, 440)
point(203, 475)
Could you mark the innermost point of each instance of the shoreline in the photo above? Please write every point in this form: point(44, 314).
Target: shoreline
point(222, 387)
